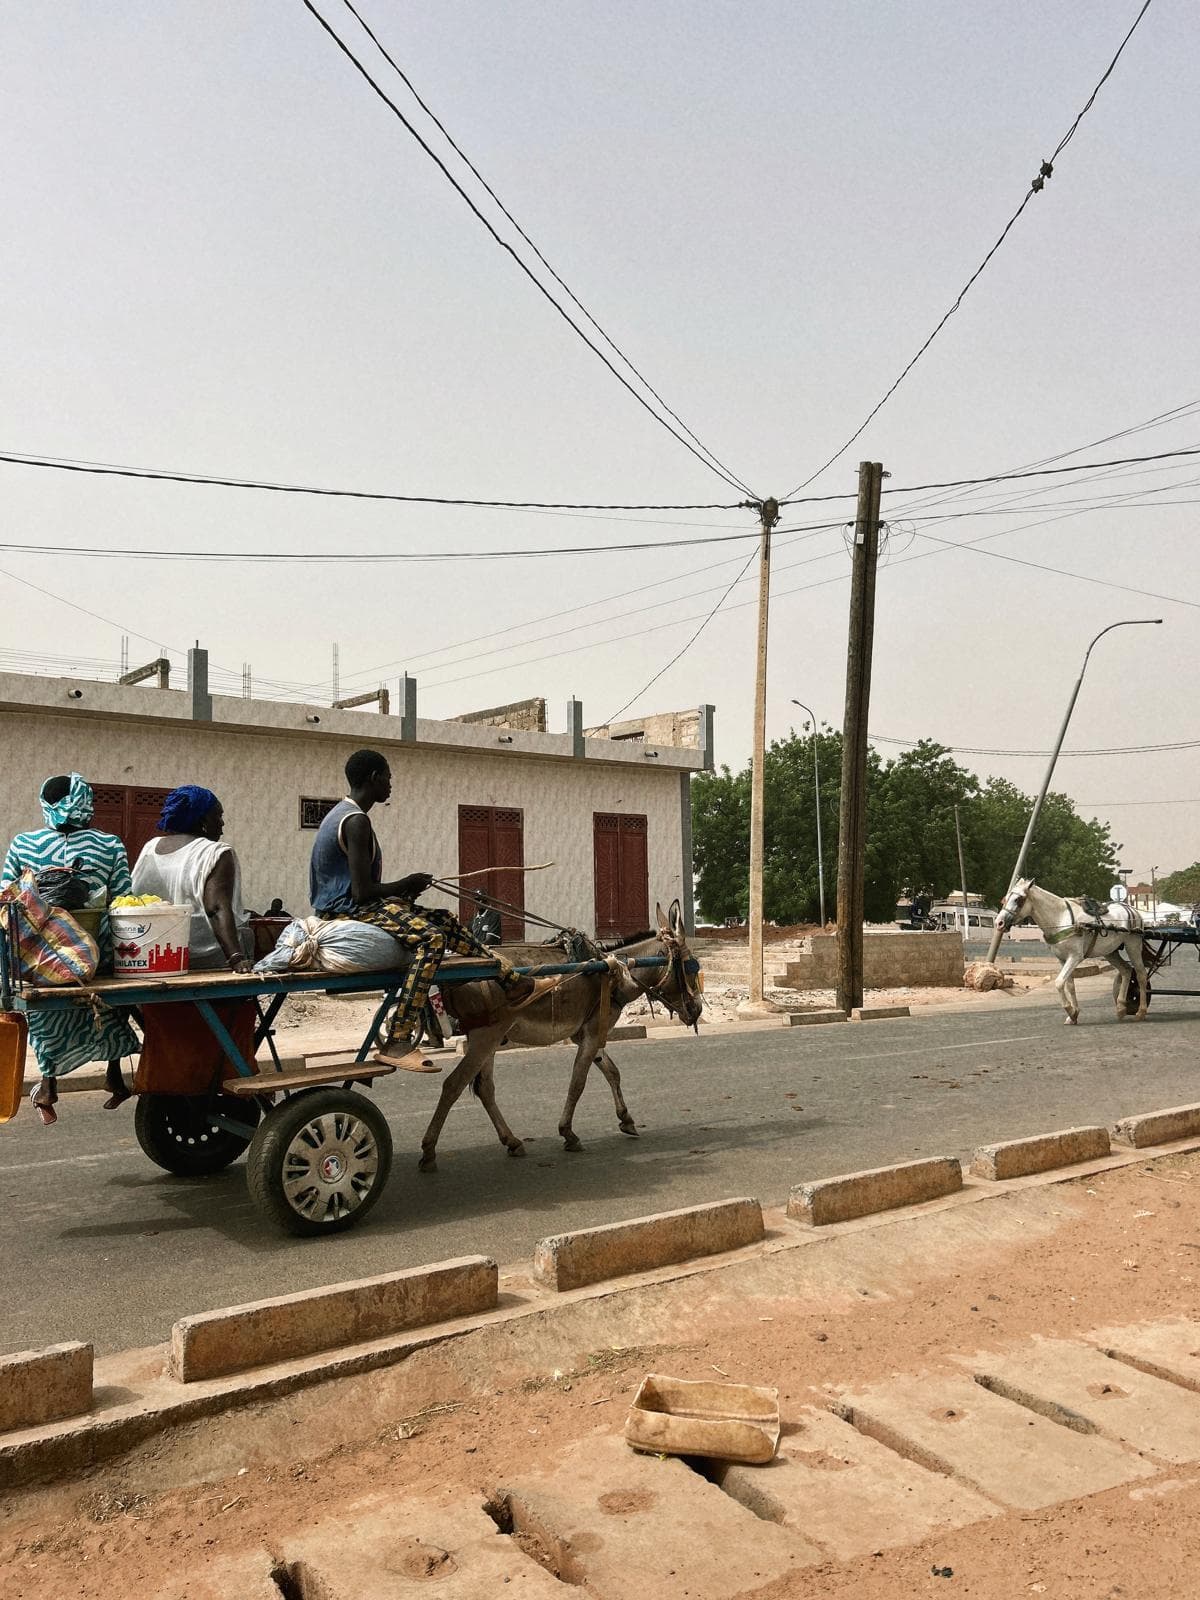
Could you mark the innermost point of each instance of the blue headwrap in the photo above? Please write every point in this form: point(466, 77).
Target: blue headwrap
point(77, 805)
point(185, 809)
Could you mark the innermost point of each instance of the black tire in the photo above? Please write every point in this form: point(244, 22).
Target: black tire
point(1133, 995)
point(319, 1161)
point(175, 1131)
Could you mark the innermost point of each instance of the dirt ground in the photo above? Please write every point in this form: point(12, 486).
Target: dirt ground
point(1122, 1246)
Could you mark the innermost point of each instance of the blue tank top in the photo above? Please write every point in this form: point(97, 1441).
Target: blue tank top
point(329, 889)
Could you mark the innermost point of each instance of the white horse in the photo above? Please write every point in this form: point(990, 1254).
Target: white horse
point(1077, 929)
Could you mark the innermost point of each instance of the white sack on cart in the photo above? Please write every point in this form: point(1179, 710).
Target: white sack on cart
point(311, 945)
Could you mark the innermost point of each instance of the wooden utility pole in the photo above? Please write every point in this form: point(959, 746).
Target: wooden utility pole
point(962, 872)
point(756, 1005)
point(852, 831)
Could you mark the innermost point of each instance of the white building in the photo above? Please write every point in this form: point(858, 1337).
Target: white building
point(614, 818)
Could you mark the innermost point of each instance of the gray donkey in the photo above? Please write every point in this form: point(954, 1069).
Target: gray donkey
point(579, 1009)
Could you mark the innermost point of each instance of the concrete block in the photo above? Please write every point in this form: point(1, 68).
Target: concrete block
point(571, 1260)
point(39, 1386)
point(1017, 1158)
point(1169, 1349)
point(290, 1326)
point(629, 1527)
point(1066, 1381)
point(1159, 1127)
point(957, 1427)
point(805, 1019)
point(877, 1013)
point(847, 1492)
point(631, 1030)
point(858, 1194)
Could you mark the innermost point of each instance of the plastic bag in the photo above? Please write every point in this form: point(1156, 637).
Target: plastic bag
point(310, 944)
point(65, 887)
point(51, 946)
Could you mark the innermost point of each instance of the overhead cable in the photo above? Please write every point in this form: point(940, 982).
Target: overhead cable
point(730, 476)
point(504, 245)
point(1036, 186)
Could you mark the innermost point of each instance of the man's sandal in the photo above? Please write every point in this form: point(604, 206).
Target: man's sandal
point(410, 1060)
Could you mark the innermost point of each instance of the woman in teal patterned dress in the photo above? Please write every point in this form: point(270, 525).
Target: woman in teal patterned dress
point(64, 1040)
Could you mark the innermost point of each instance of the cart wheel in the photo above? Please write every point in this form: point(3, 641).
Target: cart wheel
point(1133, 996)
point(175, 1131)
point(319, 1161)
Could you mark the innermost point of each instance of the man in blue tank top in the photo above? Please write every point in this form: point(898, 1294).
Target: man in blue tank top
point(346, 881)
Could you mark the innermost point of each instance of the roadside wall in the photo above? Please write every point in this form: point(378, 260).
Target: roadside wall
point(890, 961)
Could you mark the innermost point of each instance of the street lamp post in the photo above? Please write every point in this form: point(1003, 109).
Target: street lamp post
point(817, 798)
point(1130, 622)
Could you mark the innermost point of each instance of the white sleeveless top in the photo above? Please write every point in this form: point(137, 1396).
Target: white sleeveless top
point(179, 876)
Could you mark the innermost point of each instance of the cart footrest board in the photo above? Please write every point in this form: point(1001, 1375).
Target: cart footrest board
point(276, 1082)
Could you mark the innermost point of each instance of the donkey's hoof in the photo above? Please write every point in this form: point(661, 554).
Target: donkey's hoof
point(572, 1143)
point(1071, 1022)
point(516, 1148)
point(427, 1163)
point(628, 1126)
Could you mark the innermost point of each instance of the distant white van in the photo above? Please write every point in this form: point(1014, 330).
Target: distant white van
point(949, 917)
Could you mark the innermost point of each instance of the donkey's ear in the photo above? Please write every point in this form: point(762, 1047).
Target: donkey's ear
point(661, 917)
point(676, 916)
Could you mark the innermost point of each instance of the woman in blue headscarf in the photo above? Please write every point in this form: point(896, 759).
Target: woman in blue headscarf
point(64, 1040)
point(189, 866)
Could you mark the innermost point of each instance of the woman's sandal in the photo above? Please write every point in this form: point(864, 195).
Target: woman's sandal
point(44, 1108)
point(119, 1092)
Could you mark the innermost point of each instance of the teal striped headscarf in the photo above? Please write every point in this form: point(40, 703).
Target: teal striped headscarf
point(76, 806)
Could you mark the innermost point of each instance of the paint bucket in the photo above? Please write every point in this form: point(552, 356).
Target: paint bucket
point(150, 940)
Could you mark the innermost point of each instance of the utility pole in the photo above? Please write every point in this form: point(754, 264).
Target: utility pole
point(962, 872)
point(757, 1005)
point(852, 832)
point(335, 677)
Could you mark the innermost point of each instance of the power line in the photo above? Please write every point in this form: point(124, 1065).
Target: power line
point(1046, 170)
point(210, 480)
point(1113, 750)
point(474, 170)
point(690, 643)
point(504, 245)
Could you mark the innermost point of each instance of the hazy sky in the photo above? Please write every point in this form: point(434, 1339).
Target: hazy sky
point(223, 254)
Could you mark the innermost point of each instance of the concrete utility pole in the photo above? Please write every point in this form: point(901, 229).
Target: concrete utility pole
point(757, 1005)
point(962, 872)
point(852, 833)
point(817, 803)
point(1019, 869)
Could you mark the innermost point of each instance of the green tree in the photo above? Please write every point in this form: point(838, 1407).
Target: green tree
point(1182, 887)
point(721, 843)
point(910, 825)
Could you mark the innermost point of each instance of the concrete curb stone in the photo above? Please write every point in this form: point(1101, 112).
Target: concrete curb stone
point(1158, 1127)
point(1018, 1158)
point(217, 1343)
point(39, 1386)
point(572, 1260)
point(859, 1194)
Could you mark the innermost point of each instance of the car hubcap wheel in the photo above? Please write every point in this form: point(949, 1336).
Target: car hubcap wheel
point(330, 1167)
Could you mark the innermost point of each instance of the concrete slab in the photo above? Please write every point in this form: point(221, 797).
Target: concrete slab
point(413, 1548)
point(858, 1194)
point(571, 1260)
point(39, 1386)
point(1158, 1127)
point(849, 1493)
point(877, 1013)
point(955, 1426)
point(807, 1019)
point(247, 1576)
point(238, 1337)
point(1018, 1158)
point(1169, 1350)
point(628, 1526)
point(1081, 1387)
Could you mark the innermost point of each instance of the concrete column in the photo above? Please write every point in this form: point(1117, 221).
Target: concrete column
point(201, 700)
point(685, 839)
point(408, 709)
point(575, 726)
point(706, 737)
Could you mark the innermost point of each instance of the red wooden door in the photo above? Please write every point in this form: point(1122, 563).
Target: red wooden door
point(621, 874)
point(493, 836)
point(129, 812)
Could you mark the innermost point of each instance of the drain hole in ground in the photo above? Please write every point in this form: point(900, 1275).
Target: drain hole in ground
point(287, 1580)
point(532, 1539)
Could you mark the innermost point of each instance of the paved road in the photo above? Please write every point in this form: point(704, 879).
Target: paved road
point(101, 1245)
